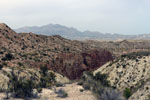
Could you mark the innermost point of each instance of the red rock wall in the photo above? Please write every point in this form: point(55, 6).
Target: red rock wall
point(73, 65)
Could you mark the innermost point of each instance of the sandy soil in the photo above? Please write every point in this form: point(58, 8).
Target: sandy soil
point(73, 91)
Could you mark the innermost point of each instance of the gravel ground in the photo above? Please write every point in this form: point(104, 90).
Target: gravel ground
point(73, 91)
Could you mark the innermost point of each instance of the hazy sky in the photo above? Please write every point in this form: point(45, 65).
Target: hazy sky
point(107, 16)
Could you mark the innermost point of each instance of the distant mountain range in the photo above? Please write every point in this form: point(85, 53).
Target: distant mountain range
point(72, 33)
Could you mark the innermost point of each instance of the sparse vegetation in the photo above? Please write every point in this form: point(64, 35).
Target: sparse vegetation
point(62, 93)
point(110, 94)
point(47, 78)
point(59, 84)
point(8, 56)
point(100, 86)
point(20, 88)
point(135, 55)
point(102, 78)
point(20, 64)
point(127, 93)
point(71, 60)
point(39, 90)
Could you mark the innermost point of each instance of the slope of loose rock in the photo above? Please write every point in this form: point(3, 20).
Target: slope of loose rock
point(133, 73)
point(142, 93)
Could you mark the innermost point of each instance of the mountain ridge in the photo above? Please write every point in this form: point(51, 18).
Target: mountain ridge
point(73, 33)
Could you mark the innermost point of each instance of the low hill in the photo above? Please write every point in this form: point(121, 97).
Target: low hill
point(131, 71)
point(67, 57)
point(121, 47)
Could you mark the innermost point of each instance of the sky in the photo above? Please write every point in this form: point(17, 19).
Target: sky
point(106, 16)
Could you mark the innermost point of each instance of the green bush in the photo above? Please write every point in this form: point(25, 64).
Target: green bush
point(100, 86)
point(39, 90)
point(93, 83)
point(43, 70)
point(127, 93)
point(47, 78)
point(102, 78)
point(21, 88)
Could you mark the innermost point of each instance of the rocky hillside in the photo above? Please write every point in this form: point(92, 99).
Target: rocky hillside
point(121, 68)
point(130, 71)
point(121, 47)
point(24, 74)
point(67, 57)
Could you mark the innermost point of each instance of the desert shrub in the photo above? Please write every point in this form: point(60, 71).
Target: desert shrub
point(124, 66)
point(4, 59)
point(134, 55)
point(102, 78)
point(4, 64)
point(47, 78)
point(1, 52)
point(20, 88)
point(43, 70)
point(110, 94)
point(86, 86)
point(59, 84)
point(1, 66)
point(80, 83)
point(20, 64)
point(90, 82)
point(62, 93)
point(8, 56)
point(45, 82)
point(39, 90)
point(81, 90)
point(100, 86)
point(127, 93)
